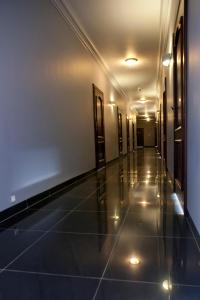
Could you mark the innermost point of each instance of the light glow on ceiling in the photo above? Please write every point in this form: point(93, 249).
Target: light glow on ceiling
point(131, 61)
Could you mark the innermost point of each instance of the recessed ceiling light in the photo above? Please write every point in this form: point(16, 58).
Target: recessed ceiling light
point(131, 61)
point(134, 260)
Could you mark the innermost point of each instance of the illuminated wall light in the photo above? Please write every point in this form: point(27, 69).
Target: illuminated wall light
point(158, 195)
point(177, 204)
point(148, 119)
point(166, 60)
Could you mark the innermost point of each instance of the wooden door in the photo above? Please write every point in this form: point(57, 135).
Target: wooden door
point(140, 137)
point(98, 102)
point(128, 135)
point(120, 137)
point(165, 124)
point(133, 135)
point(179, 108)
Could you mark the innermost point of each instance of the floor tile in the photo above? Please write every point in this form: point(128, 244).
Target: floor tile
point(71, 254)
point(160, 258)
point(13, 242)
point(151, 253)
point(153, 222)
point(60, 201)
point(112, 290)
point(21, 286)
point(34, 219)
point(91, 222)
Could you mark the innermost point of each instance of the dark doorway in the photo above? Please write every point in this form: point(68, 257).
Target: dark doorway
point(165, 123)
point(140, 137)
point(98, 101)
point(179, 109)
point(133, 135)
point(128, 135)
point(120, 138)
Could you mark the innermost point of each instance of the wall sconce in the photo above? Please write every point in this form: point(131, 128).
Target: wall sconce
point(166, 59)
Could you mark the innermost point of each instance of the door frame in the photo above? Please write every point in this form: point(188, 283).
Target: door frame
point(96, 90)
point(165, 122)
point(119, 115)
point(182, 24)
point(133, 135)
point(128, 134)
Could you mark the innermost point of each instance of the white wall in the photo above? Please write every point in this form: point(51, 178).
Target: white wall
point(193, 112)
point(46, 77)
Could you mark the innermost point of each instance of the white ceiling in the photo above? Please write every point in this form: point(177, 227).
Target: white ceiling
point(121, 29)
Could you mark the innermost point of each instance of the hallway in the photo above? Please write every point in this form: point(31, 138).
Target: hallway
point(118, 234)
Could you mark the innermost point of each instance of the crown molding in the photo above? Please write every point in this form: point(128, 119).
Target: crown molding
point(66, 12)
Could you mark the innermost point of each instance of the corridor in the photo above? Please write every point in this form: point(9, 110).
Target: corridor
point(118, 234)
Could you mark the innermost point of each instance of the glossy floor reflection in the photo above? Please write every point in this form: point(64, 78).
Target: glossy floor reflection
point(118, 234)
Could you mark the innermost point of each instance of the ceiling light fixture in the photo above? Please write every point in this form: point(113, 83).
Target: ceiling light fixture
point(131, 61)
point(166, 59)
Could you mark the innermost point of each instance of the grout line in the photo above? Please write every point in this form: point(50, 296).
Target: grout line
point(97, 234)
point(111, 253)
point(148, 282)
point(96, 278)
point(194, 237)
point(51, 274)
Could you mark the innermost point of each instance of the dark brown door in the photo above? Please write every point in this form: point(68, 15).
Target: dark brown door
point(140, 137)
point(179, 107)
point(133, 134)
point(98, 101)
point(120, 138)
point(159, 132)
point(128, 135)
point(165, 123)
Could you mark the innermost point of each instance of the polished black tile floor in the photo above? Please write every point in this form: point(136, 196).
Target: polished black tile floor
point(78, 243)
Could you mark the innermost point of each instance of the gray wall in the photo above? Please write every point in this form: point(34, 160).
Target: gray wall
point(193, 113)
point(46, 114)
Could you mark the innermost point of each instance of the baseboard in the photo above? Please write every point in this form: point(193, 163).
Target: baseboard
point(68, 184)
point(44, 197)
point(193, 227)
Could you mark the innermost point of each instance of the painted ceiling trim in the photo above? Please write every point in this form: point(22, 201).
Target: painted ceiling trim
point(68, 16)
